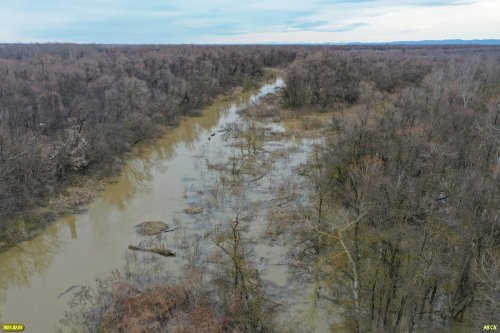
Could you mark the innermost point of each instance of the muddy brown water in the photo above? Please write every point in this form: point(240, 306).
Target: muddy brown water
point(38, 277)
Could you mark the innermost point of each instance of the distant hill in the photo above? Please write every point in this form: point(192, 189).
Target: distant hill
point(434, 42)
point(449, 42)
point(409, 42)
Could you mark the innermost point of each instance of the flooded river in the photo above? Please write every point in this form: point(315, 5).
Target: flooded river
point(165, 177)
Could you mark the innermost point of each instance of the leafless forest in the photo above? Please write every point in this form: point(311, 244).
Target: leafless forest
point(404, 210)
point(67, 110)
point(407, 188)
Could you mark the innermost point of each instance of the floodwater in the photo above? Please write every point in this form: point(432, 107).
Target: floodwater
point(38, 277)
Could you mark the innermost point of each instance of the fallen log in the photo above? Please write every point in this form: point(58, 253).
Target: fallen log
point(163, 252)
point(75, 286)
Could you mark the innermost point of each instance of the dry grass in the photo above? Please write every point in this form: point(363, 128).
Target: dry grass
point(151, 228)
point(124, 304)
point(310, 123)
point(159, 309)
point(307, 125)
point(268, 107)
point(193, 210)
point(76, 196)
point(199, 319)
point(283, 217)
point(303, 123)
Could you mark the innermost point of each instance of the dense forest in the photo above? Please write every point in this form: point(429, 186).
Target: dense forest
point(401, 227)
point(407, 187)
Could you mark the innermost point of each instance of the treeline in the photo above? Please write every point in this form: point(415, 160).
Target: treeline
point(330, 77)
point(69, 109)
point(406, 200)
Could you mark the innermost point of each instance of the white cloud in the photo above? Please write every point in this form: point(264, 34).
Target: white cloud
point(477, 20)
point(258, 21)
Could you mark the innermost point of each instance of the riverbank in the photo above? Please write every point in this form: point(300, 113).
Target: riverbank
point(81, 189)
point(159, 183)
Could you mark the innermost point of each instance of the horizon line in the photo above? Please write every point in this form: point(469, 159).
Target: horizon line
point(451, 41)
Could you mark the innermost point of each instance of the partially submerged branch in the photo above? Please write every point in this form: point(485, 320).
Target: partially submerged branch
point(163, 252)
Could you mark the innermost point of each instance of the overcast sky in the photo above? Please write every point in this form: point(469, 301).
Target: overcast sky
point(251, 21)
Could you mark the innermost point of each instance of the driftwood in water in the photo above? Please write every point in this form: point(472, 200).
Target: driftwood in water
point(75, 286)
point(163, 252)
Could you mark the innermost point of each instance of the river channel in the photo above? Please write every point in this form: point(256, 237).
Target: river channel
point(163, 178)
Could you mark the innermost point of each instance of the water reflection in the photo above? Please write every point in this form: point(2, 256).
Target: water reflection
point(19, 264)
point(71, 222)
